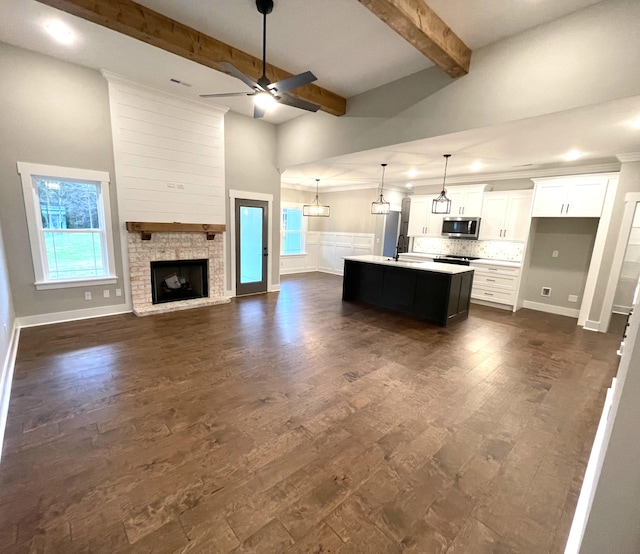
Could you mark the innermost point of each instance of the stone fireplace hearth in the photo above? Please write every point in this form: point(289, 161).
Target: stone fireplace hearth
point(168, 246)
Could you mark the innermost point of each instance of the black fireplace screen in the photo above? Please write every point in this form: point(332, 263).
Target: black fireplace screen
point(179, 280)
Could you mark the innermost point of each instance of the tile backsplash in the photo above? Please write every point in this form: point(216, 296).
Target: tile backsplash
point(490, 249)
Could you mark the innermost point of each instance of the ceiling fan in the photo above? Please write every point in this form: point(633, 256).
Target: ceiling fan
point(264, 91)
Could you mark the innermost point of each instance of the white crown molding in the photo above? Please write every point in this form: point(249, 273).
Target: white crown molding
point(629, 157)
point(471, 179)
point(120, 80)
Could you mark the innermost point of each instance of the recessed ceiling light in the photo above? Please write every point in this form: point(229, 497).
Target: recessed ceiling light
point(60, 31)
point(412, 173)
point(475, 166)
point(635, 122)
point(409, 185)
point(573, 155)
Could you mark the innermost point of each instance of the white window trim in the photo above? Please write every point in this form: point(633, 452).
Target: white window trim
point(27, 173)
point(305, 227)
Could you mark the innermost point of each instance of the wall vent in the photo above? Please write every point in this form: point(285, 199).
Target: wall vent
point(546, 292)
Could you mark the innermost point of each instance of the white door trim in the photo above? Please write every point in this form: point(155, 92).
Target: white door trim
point(245, 195)
point(630, 201)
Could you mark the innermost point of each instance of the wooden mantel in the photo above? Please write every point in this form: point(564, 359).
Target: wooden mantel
point(146, 228)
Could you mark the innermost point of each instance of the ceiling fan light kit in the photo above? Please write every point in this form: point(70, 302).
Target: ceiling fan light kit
point(265, 93)
point(442, 204)
point(381, 206)
point(315, 209)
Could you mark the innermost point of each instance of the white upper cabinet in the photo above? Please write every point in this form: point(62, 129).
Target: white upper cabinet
point(466, 201)
point(419, 212)
point(506, 215)
point(422, 223)
point(578, 196)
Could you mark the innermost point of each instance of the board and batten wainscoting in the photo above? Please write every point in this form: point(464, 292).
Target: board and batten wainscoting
point(324, 252)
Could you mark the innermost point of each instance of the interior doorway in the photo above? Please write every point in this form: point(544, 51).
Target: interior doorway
point(251, 246)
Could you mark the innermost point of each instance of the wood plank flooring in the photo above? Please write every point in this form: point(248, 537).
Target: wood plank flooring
point(297, 423)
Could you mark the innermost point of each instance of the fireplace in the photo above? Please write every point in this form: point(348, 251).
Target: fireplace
point(176, 280)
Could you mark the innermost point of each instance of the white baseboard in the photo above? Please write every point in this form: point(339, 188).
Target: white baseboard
point(482, 302)
point(619, 309)
point(296, 271)
point(73, 315)
point(591, 325)
point(557, 310)
point(331, 271)
point(6, 380)
point(275, 288)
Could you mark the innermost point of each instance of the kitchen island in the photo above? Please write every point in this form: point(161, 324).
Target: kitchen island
point(428, 290)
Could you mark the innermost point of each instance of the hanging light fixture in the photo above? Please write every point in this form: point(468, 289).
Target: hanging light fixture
point(380, 206)
point(315, 209)
point(441, 204)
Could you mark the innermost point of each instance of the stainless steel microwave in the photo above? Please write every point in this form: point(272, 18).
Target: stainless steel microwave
point(461, 227)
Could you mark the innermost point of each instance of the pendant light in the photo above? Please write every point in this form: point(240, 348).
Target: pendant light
point(441, 204)
point(315, 209)
point(380, 206)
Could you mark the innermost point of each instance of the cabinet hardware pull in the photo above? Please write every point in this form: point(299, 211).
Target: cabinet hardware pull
point(505, 233)
point(567, 212)
point(492, 280)
point(562, 208)
point(500, 232)
point(489, 293)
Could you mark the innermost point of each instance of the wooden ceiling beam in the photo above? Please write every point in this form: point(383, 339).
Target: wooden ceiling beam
point(417, 23)
point(139, 22)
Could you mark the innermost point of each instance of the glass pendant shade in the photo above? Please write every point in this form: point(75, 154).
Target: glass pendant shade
point(442, 204)
point(315, 209)
point(381, 206)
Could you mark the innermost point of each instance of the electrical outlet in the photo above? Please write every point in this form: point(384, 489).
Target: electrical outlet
point(118, 292)
point(106, 293)
point(87, 296)
point(554, 254)
point(573, 298)
point(546, 292)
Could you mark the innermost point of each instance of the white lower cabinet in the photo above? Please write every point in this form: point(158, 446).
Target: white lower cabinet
point(495, 283)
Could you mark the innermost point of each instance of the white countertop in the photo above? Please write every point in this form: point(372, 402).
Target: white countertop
point(479, 261)
point(433, 267)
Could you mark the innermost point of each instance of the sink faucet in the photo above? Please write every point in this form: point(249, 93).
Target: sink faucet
point(401, 244)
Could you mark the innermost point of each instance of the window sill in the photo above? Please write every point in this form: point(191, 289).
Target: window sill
point(301, 255)
point(70, 283)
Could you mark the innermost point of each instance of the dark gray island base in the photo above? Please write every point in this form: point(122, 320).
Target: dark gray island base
point(439, 293)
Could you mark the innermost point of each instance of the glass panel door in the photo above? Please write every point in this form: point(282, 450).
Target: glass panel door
point(251, 246)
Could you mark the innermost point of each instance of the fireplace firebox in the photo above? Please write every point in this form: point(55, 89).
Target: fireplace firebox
point(179, 280)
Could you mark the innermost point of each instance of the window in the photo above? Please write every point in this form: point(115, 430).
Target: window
point(293, 229)
point(69, 225)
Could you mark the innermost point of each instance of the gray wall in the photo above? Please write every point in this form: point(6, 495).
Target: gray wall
point(250, 165)
point(6, 307)
point(588, 57)
point(566, 274)
point(52, 113)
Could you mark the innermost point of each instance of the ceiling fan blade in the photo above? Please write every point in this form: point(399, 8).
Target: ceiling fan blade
point(223, 94)
point(298, 103)
point(292, 82)
point(258, 112)
point(235, 72)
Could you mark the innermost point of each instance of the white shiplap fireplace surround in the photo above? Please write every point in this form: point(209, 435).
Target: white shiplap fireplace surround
point(169, 246)
point(169, 162)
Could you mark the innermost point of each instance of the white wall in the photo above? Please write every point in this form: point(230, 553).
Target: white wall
point(588, 57)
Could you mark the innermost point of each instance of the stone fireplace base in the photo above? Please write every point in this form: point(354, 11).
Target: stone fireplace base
point(166, 246)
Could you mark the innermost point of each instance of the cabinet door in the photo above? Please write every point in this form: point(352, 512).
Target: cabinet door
point(494, 210)
point(418, 216)
point(457, 203)
point(549, 200)
point(585, 200)
point(517, 221)
point(472, 203)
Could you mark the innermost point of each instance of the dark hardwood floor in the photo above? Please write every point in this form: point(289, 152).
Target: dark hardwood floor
point(294, 422)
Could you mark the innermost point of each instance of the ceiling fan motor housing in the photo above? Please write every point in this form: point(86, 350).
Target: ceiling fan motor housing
point(264, 6)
